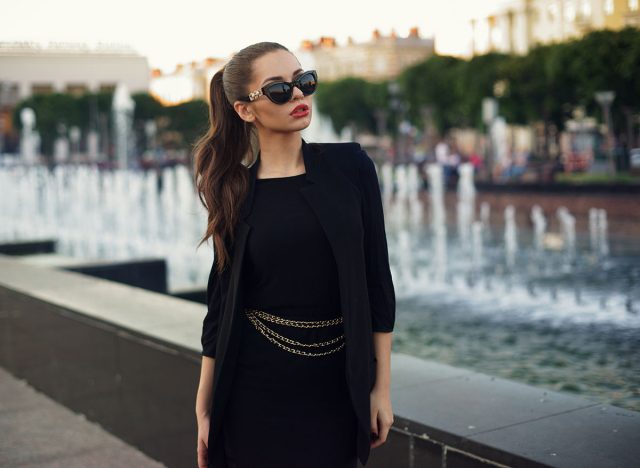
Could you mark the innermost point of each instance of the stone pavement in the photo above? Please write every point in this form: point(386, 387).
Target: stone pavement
point(39, 432)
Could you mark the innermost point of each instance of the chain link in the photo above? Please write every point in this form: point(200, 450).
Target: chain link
point(253, 315)
point(256, 322)
point(295, 323)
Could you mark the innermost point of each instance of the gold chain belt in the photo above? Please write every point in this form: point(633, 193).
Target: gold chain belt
point(255, 315)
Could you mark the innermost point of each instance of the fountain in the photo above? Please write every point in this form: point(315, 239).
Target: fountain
point(568, 229)
point(30, 138)
point(140, 212)
point(438, 221)
point(466, 203)
point(122, 111)
point(539, 226)
point(477, 255)
point(598, 231)
point(61, 146)
point(500, 286)
point(510, 235)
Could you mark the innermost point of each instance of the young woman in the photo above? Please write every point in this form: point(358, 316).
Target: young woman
point(301, 306)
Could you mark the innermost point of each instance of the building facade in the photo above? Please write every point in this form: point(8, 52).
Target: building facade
point(515, 26)
point(186, 82)
point(379, 58)
point(29, 68)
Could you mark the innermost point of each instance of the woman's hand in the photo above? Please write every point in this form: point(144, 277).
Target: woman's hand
point(381, 415)
point(203, 440)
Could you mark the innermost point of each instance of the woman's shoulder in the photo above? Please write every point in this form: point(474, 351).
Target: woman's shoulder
point(352, 160)
point(348, 155)
point(342, 147)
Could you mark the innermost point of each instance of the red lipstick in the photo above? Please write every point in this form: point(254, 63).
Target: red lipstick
point(300, 110)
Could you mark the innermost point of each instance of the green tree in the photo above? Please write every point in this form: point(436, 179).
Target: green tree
point(147, 107)
point(349, 101)
point(54, 112)
point(434, 82)
point(187, 121)
point(477, 79)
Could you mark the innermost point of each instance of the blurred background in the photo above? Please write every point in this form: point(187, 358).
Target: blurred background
point(506, 135)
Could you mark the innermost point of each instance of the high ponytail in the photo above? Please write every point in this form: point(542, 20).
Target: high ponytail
point(222, 154)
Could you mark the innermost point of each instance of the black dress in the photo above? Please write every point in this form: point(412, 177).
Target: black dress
point(288, 410)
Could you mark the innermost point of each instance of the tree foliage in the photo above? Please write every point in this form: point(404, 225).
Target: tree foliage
point(57, 112)
point(350, 101)
point(544, 85)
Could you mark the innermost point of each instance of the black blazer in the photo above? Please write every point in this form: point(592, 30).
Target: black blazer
point(345, 196)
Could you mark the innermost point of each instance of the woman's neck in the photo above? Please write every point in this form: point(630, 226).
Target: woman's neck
point(281, 155)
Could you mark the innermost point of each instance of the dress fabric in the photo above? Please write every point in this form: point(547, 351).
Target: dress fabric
point(288, 410)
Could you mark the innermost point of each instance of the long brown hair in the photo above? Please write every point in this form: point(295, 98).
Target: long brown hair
point(220, 175)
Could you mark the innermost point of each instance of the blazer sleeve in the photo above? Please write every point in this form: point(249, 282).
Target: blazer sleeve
point(379, 282)
point(210, 323)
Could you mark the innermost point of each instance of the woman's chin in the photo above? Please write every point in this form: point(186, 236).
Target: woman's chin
point(302, 123)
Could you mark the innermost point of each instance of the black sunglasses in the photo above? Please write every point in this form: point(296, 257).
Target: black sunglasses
point(280, 92)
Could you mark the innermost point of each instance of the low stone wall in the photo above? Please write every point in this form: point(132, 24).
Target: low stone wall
point(129, 359)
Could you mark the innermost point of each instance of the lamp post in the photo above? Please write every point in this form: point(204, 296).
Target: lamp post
point(394, 104)
point(381, 126)
point(605, 99)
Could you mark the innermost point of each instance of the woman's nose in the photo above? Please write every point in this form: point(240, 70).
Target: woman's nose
point(297, 94)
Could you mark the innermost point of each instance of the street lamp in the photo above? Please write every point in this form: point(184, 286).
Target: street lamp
point(605, 99)
point(394, 104)
point(381, 126)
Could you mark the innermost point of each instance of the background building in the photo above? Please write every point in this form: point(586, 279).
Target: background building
point(28, 68)
point(380, 58)
point(516, 26)
point(185, 82)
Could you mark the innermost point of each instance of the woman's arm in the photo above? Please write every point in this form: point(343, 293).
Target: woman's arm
point(209, 340)
point(203, 405)
point(380, 398)
point(381, 298)
point(205, 388)
point(382, 344)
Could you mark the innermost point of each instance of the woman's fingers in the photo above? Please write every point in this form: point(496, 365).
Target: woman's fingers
point(203, 441)
point(383, 423)
point(384, 431)
point(203, 452)
point(374, 424)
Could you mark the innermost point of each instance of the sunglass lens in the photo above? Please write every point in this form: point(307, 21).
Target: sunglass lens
point(308, 83)
point(279, 93)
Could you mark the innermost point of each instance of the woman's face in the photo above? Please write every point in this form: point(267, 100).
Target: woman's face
point(279, 65)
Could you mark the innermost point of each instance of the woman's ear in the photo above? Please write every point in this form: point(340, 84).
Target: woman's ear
point(244, 111)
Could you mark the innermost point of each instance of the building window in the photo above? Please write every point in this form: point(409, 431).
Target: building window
point(633, 5)
point(42, 88)
point(9, 93)
point(609, 7)
point(586, 8)
point(77, 89)
point(107, 87)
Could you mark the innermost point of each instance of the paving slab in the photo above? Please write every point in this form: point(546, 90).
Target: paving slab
point(602, 436)
point(38, 432)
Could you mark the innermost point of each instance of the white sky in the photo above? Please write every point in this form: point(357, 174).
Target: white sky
point(180, 31)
